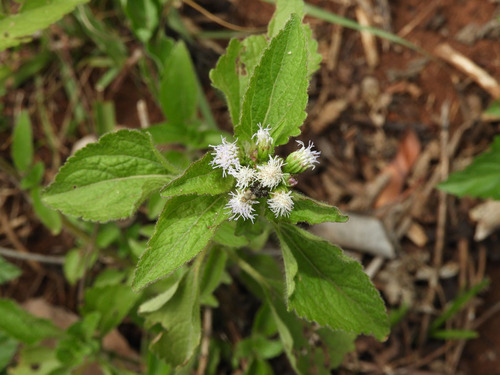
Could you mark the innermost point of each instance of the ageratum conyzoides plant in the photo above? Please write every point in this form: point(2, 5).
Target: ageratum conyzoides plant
point(226, 204)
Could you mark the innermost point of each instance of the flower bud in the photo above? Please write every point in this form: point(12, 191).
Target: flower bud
point(298, 161)
point(264, 142)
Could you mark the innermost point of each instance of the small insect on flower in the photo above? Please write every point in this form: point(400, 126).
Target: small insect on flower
point(241, 205)
point(281, 203)
point(225, 156)
point(270, 174)
point(259, 191)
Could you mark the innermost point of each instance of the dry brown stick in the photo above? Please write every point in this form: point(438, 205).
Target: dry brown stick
point(205, 341)
point(9, 253)
point(333, 51)
point(410, 26)
point(367, 38)
point(216, 19)
point(441, 221)
point(467, 66)
point(11, 235)
point(463, 257)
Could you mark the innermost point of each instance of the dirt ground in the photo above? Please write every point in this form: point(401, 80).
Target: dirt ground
point(391, 122)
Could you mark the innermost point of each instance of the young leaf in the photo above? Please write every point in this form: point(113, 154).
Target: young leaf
point(200, 178)
point(108, 180)
point(23, 326)
point(480, 179)
point(181, 319)
point(254, 47)
point(225, 78)
point(179, 87)
point(328, 287)
point(50, 218)
point(22, 142)
point(184, 228)
point(35, 15)
point(8, 271)
point(277, 93)
point(284, 8)
point(312, 211)
point(144, 17)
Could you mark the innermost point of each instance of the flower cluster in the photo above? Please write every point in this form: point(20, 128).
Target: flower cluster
point(263, 175)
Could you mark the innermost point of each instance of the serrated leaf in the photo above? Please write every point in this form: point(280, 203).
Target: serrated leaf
point(34, 16)
point(23, 326)
point(328, 287)
point(284, 8)
point(22, 142)
point(225, 78)
point(480, 179)
point(277, 93)
point(108, 180)
point(180, 317)
point(8, 271)
point(312, 211)
point(112, 302)
point(184, 228)
point(200, 178)
point(179, 87)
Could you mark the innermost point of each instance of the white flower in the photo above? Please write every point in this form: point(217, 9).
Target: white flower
point(263, 136)
point(280, 203)
point(270, 175)
point(241, 205)
point(307, 156)
point(225, 156)
point(244, 176)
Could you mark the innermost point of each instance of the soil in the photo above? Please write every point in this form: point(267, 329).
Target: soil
point(369, 121)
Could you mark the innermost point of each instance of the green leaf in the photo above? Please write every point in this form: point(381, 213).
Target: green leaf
point(225, 78)
point(213, 275)
point(328, 287)
point(184, 228)
point(179, 87)
point(277, 93)
point(22, 142)
point(200, 178)
point(34, 16)
point(36, 360)
point(23, 326)
point(312, 211)
point(50, 218)
point(480, 179)
point(180, 317)
point(34, 176)
point(254, 47)
point(8, 348)
point(8, 271)
point(108, 180)
point(284, 9)
point(75, 265)
point(144, 17)
point(169, 286)
point(113, 302)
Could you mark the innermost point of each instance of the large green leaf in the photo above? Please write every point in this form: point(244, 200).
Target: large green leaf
point(184, 228)
point(479, 179)
point(108, 180)
point(179, 87)
point(225, 78)
point(277, 93)
point(328, 287)
point(311, 211)
point(200, 178)
point(23, 326)
point(35, 15)
point(180, 317)
point(284, 8)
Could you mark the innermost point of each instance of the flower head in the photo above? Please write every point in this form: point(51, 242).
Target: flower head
point(270, 174)
point(298, 161)
point(225, 156)
point(262, 135)
point(244, 176)
point(281, 203)
point(241, 205)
